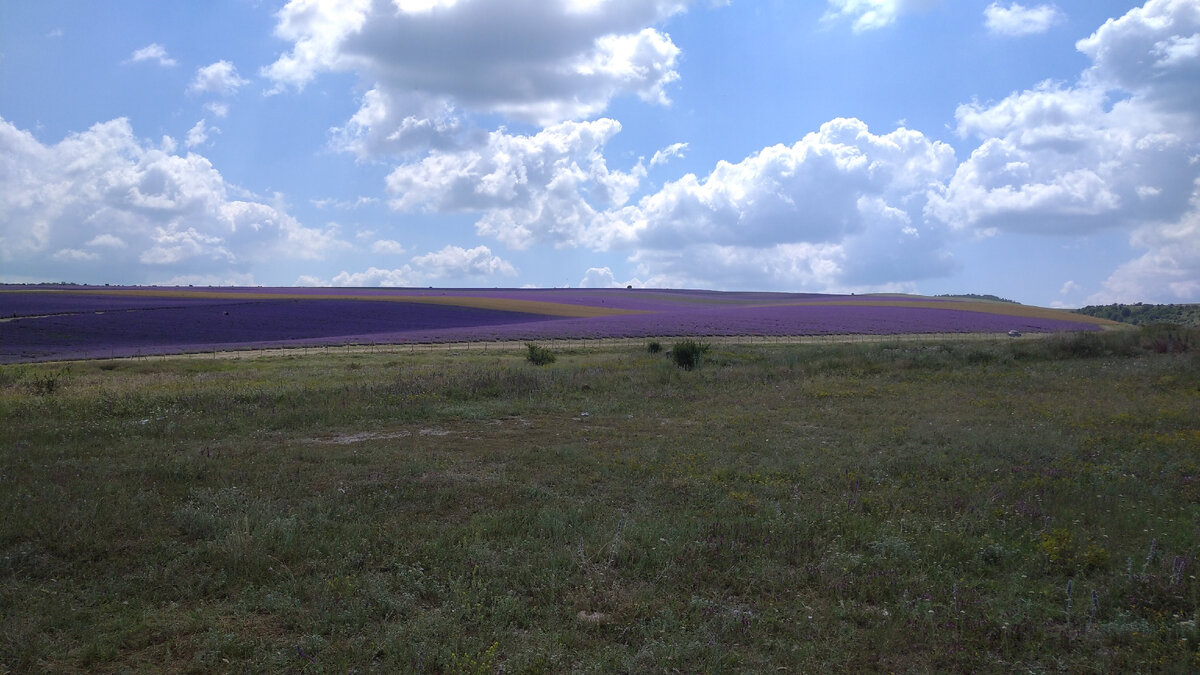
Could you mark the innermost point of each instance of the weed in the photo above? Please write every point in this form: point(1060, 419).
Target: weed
point(538, 355)
point(688, 354)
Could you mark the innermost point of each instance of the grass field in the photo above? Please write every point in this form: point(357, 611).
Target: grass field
point(1028, 504)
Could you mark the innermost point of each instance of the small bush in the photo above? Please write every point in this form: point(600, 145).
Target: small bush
point(654, 347)
point(49, 383)
point(688, 354)
point(538, 356)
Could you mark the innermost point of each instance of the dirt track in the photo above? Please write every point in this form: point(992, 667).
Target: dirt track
point(511, 346)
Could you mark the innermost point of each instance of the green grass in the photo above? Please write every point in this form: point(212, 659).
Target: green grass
point(893, 506)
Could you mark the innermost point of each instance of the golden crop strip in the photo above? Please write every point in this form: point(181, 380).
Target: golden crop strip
point(559, 309)
point(1007, 309)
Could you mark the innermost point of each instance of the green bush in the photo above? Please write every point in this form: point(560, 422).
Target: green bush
point(654, 347)
point(538, 356)
point(688, 354)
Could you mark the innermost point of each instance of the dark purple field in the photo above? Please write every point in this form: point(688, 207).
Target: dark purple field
point(74, 322)
point(204, 325)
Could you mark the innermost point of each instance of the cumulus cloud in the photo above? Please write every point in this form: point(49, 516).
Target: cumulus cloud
point(842, 205)
point(831, 184)
point(428, 64)
point(1017, 20)
point(198, 134)
point(455, 261)
point(603, 277)
point(152, 52)
point(1071, 159)
point(127, 210)
point(543, 188)
point(872, 14)
point(668, 153)
point(839, 208)
point(1168, 271)
point(387, 247)
point(1116, 150)
point(450, 263)
point(1152, 52)
point(220, 78)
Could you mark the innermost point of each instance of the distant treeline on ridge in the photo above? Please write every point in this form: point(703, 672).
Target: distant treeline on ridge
point(977, 296)
point(1142, 314)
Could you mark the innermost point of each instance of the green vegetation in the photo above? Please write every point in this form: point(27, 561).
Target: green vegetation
point(1141, 315)
point(537, 355)
point(1019, 505)
point(688, 354)
point(976, 296)
point(654, 347)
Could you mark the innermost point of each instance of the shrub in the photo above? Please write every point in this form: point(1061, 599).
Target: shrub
point(1165, 338)
point(49, 383)
point(688, 354)
point(538, 356)
point(654, 347)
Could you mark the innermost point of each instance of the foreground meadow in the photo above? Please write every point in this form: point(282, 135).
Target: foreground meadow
point(1031, 504)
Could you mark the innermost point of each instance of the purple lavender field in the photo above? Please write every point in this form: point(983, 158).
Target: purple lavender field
point(59, 323)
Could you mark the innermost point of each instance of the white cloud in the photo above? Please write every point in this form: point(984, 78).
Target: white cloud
point(1116, 150)
point(1017, 20)
point(107, 241)
point(457, 262)
point(668, 153)
point(602, 277)
point(230, 279)
point(74, 255)
point(198, 134)
point(387, 247)
point(373, 276)
point(778, 267)
point(217, 108)
point(124, 209)
point(1071, 159)
point(841, 207)
point(220, 78)
point(1152, 52)
point(1168, 271)
point(55, 33)
point(152, 52)
point(541, 188)
point(344, 204)
point(872, 14)
point(426, 67)
point(450, 263)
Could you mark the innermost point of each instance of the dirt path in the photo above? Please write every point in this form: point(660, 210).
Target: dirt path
point(599, 343)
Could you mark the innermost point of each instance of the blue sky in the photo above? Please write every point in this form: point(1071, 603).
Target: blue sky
point(1045, 152)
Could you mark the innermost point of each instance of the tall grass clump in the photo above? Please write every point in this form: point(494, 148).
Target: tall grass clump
point(538, 355)
point(688, 354)
point(654, 347)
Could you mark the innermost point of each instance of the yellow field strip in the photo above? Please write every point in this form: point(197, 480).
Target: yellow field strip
point(1003, 308)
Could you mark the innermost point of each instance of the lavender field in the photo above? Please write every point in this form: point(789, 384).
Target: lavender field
point(74, 322)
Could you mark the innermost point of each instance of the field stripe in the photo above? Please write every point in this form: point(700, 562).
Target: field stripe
point(539, 307)
point(1002, 308)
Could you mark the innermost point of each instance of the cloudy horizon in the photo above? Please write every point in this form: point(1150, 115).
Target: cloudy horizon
point(1045, 152)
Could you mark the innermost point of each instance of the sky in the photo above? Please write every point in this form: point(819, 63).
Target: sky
point(1044, 152)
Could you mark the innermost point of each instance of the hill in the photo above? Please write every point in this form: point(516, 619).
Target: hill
point(91, 322)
